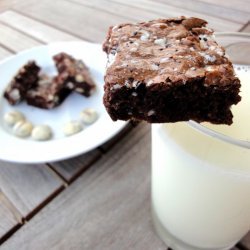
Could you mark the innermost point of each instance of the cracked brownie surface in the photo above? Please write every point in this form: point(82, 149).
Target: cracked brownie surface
point(168, 70)
point(77, 74)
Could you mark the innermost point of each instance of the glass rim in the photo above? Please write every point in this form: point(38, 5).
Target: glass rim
point(210, 132)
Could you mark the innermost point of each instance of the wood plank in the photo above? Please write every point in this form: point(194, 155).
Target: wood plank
point(233, 4)
point(81, 21)
point(169, 11)
point(28, 187)
point(107, 208)
point(72, 168)
point(116, 139)
point(246, 28)
point(129, 12)
point(223, 12)
point(14, 40)
point(4, 53)
point(5, 5)
point(33, 28)
point(9, 218)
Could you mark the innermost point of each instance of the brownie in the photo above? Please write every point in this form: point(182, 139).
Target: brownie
point(49, 93)
point(25, 79)
point(79, 78)
point(168, 70)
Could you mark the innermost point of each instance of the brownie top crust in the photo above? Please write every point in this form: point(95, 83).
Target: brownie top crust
point(171, 51)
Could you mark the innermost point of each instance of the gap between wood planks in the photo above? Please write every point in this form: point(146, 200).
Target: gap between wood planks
point(55, 194)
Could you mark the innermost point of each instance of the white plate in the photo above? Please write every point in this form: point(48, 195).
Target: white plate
point(60, 147)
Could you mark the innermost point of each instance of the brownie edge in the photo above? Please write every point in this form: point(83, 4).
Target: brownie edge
point(168, 70)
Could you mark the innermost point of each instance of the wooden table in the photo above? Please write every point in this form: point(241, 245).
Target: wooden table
point(99, 200)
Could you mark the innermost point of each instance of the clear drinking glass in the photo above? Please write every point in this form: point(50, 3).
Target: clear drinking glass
point(201, 172)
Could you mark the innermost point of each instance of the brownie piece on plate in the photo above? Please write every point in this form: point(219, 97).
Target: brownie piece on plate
point(49, 93)
point(79, 78)
point(25, 79)
point(168, 70)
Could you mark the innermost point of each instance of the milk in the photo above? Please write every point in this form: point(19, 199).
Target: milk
point(200, 184)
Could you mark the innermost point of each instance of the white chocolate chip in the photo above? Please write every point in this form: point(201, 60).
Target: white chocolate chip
point(210, 68)
point(70, 85)
point(79, 90)
point(135, 84)
point(145, 35)
point(79, 78)
point(15, 94)
point(154, 67)
point(151, 112)
point(161, 41)
point(163, 60)
point(88, 116)
point(72, 127)
point(149, 82)
point(134, 94)
point(12, 117)
point(41, 133)
point(116, 86)
point(50, 97)
point(144, 38)
point(22, 129)
point(127, 84)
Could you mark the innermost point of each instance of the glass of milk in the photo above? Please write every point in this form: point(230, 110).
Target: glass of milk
point(201, 172)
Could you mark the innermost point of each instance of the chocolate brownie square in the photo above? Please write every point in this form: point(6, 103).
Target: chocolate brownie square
point(168, 70)
point(25, 79)
point(79, 78)
point(49, 93)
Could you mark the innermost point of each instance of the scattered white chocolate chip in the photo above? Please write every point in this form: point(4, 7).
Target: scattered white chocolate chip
point(22, 129)
point(134, 94)
point(88, 116)
point(41, 133)
point(72, 127)
point(12, 117)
